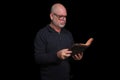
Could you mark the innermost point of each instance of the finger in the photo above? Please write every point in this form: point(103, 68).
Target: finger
point(68, 55)
point(66, 49)
point(77, 57)
point(68, 52)
point(80, 56)
point(89, 41)
point(74, 57)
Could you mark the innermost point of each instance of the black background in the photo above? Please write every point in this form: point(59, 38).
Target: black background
point(20, 20)
point(26, 18)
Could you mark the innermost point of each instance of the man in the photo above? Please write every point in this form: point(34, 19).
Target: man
point(52, 46)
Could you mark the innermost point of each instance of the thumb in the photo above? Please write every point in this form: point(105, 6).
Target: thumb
point(88, 43)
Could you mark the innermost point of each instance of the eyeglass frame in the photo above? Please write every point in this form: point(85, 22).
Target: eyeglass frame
point(60, 17)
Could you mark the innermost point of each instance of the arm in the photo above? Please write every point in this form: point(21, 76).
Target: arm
point(41, 55)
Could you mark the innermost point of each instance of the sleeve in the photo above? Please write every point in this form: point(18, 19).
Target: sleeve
point(41, 57)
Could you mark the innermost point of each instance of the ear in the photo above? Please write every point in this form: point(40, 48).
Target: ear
point(51, 16)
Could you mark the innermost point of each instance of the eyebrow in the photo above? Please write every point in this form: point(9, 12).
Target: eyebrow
point(60, 15)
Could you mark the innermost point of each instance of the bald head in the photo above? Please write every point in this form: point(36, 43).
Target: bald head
point(58, 8)
point(58, 15)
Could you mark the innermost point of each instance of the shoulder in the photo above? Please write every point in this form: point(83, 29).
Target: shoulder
point(42, 32)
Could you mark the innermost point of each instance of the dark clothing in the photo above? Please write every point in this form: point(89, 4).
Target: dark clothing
point(47, 43)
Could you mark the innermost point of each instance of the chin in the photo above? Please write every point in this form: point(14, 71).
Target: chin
point(61, 26)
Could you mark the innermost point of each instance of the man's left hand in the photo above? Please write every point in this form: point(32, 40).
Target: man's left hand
point(78, 56)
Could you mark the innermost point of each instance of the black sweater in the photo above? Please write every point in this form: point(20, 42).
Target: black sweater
point(47, 43)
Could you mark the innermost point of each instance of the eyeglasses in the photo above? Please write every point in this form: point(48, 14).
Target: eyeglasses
point(60, 17)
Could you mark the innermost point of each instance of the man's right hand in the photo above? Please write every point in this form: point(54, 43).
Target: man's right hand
point(88, 43)
point(64, 53)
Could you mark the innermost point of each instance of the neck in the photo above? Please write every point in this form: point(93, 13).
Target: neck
point(56, 28)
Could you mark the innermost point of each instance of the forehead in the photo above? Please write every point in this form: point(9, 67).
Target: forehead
point(59, 9)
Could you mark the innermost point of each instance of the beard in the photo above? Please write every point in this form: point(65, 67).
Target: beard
point(61, 25)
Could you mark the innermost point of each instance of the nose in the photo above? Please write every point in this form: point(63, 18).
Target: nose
point(62, 18)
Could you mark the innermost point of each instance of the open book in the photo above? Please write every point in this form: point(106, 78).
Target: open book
point(78, 48)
